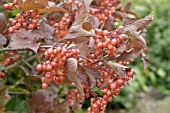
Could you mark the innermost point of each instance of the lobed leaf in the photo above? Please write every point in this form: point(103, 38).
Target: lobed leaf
point(118, 68)
point(71, 67)
point(79, 31)
point(23, 39)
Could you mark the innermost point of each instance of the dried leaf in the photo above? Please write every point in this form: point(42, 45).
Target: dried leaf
point(45, 31)
point(71, 67)
point(23, 39)
point(76, 32)
point(2, 95)
point(93, 71)
point(92, 74)
point(146, 62)
point(3, 40)
point(118, 68)
point(30, 5)
point(131, 30)
point(128, 6)
point(108, 24)
point(127, 20)
point(94, 21)
point(41, 102)
point(84, 48)
point(3, 23)
point(50, 9)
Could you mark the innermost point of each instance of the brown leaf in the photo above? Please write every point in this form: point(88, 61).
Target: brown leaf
point(50, 9)
point(76, 32)
point(84, 48)
point(87, 2)
point(92, 74)
point(41, 102)
point(45, 31)
point(127, 20)
point(131, 30)
point(23, 39)
point(118, 68)
point(3, 23)
point(94, 21)
point(3, 40)
point(71, 67)
point(108, 24)
point(128, 6)
point(93, 71)
point(30, 5)
point(146, 62)
point(45, 2)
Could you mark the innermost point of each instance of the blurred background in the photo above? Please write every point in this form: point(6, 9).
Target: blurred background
point(149, 90)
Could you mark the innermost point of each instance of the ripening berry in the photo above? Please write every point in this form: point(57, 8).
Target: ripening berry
point(44, 85)
point(10, 5)
point(120, 82)
point(5, 6)
point(18, 15)
point(49, 67)
point(39, 67)
point(31, 26)
point(10, 30)
point(50, 51)
point(2, 75)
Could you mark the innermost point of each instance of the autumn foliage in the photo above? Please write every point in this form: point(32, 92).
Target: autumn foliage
point(88, 44)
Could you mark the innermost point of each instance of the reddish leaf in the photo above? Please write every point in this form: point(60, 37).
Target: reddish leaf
point(127, 20)
point(45, 31)
point(23, 39)
point(3, 23)
point(146, 62)
point(92, 74)
point(76, 32)
point(108, 24)
point(132, 29)
point(118, 68)
point(94, 21)
point(3, 40)
point(128, 6)
point(50, 9)
point(71, 67)
point(30, 5)
point(84, 48)
point(41, 102)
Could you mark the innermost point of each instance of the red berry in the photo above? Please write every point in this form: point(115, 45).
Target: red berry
point(39, 67)
point(44, 85)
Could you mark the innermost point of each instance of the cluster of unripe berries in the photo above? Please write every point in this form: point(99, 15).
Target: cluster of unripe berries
point(107, 42)
point(26, 19)
point(62, 26)
point(54, 66)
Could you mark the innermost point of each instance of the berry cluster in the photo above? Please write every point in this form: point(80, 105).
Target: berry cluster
point(14, 57)
point(62, 26)
point(26, 19)
point(10, 6)
point(54, 66)
point(107, 42)
point(99, 104)
point(105, 8)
